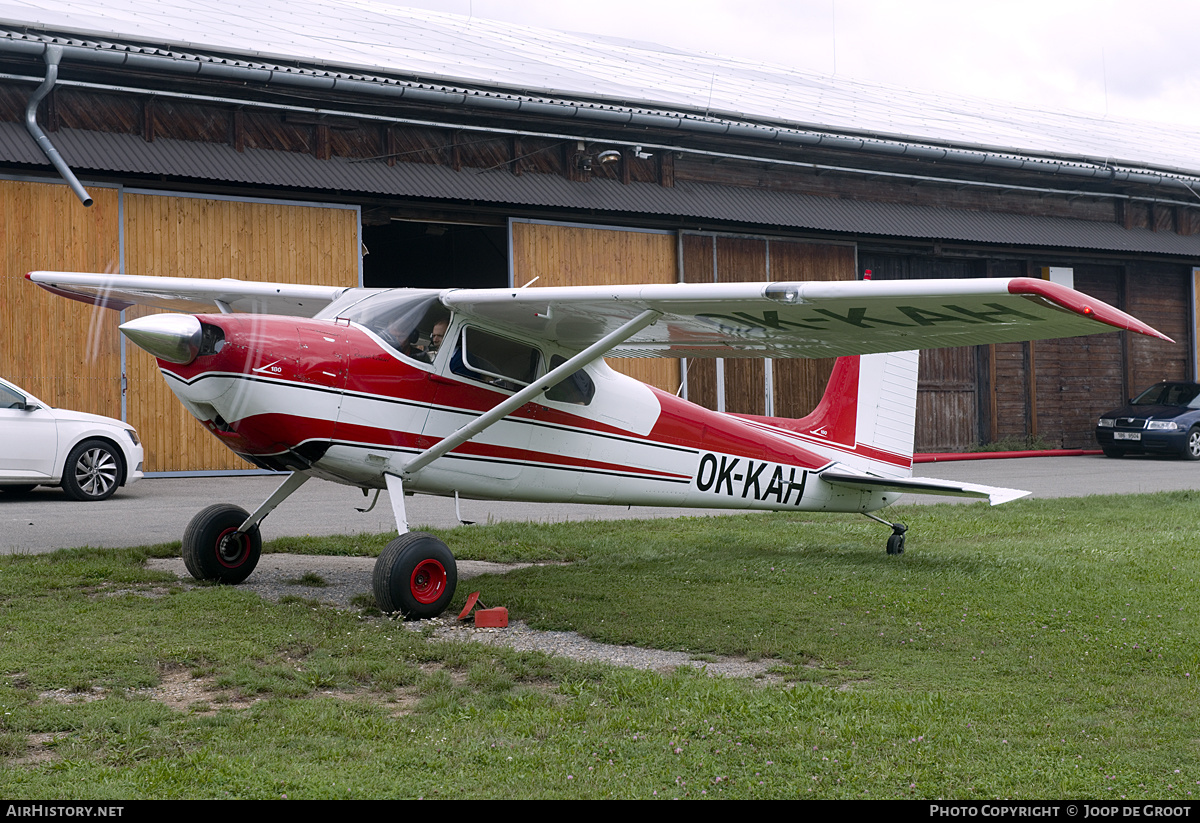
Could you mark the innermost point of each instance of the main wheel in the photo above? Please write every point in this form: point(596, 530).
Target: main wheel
point(415, 575)
point(212, 548)
point(92, 471)
point(1191, 449)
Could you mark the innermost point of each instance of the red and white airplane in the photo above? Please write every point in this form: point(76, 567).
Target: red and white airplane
point(357, 386)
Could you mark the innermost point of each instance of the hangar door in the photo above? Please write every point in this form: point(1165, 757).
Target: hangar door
point(570, 255)
point(181, 236)
point(62, 351)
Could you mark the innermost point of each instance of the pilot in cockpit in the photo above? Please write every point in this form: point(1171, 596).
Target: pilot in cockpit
point(407, 330)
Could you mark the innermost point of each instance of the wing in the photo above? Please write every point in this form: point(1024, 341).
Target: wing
point(923, 485)
point(802, 319)
point(187, 294)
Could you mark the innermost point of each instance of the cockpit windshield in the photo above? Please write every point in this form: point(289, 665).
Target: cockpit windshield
point(411, 321)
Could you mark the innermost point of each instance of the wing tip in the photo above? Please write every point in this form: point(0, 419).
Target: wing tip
point(1079, 303)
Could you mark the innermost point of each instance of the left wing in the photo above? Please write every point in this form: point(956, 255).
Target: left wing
point(187, 294)
point(801, 319)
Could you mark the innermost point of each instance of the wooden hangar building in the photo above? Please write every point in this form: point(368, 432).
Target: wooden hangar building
point(339, 143)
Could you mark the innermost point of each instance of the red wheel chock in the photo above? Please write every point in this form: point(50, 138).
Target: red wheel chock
point(496, 618)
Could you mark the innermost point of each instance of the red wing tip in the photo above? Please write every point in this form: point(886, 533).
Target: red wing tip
point(1081, 304)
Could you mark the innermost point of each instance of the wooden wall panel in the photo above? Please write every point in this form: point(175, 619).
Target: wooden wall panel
point(197, 237)
point(65, 352)
point(1159, 294)
point(947, 400)
point(1091, 376)
point(583, 256)
point(799, 384)
point(701, 371)
point(1012, 390)
point(743, 260)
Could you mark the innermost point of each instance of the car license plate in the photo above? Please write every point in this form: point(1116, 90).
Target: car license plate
point(1127, 435)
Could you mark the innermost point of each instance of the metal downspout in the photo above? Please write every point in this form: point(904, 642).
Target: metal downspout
point(53, 55)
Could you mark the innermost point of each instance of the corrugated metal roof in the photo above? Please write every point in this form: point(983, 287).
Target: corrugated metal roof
point(104, 152)
point(375, 39)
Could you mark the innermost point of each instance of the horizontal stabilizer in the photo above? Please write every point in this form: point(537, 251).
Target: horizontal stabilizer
point(923, 485)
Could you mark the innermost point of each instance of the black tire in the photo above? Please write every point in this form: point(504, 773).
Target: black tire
point(212, 552)
point(415, 575)
point(93, 471)
point(18, 490)
point(1191, 448)
point(895, 544)
point(1109, 451)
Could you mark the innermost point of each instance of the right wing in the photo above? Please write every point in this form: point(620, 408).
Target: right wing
point(192, 295)
point(796, 319)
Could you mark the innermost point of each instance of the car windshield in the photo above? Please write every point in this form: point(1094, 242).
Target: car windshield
point(1170, 394)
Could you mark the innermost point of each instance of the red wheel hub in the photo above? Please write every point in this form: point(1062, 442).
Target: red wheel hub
point(428, 581)
point(232, 548)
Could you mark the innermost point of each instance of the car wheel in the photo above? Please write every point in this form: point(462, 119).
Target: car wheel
point(92, 472)
point(1191, 449)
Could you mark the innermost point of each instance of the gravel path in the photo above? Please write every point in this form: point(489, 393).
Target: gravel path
point(277, 575)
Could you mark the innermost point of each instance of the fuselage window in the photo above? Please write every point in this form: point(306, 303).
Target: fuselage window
point(496, 360)
point(577, 388)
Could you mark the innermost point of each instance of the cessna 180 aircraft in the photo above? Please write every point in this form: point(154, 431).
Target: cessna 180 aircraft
point(503, 394)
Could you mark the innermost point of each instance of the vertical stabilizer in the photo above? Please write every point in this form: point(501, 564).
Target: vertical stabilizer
point(867, 415)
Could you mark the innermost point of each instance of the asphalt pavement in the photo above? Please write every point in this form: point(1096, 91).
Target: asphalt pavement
point(157, 510)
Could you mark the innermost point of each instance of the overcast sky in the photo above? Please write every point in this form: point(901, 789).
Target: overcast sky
point(1101, 57)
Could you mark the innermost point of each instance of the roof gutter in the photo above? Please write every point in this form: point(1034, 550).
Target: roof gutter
point(52, 55)
point(114, 56)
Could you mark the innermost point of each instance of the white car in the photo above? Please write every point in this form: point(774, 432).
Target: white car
point(88, 455)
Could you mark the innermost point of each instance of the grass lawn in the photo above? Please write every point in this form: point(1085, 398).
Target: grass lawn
point(1042, 649)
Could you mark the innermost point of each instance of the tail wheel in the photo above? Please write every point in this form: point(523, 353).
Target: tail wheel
point(214, 550)
point(415, 575)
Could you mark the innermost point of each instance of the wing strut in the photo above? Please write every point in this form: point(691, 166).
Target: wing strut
point(549, 380)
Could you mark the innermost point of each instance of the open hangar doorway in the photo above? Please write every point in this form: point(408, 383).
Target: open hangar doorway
point(424, 254)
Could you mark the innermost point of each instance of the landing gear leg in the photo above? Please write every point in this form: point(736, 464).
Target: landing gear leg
point(895, 543)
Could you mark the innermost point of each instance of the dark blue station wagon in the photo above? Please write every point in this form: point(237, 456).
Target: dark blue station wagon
point(1164, 419)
